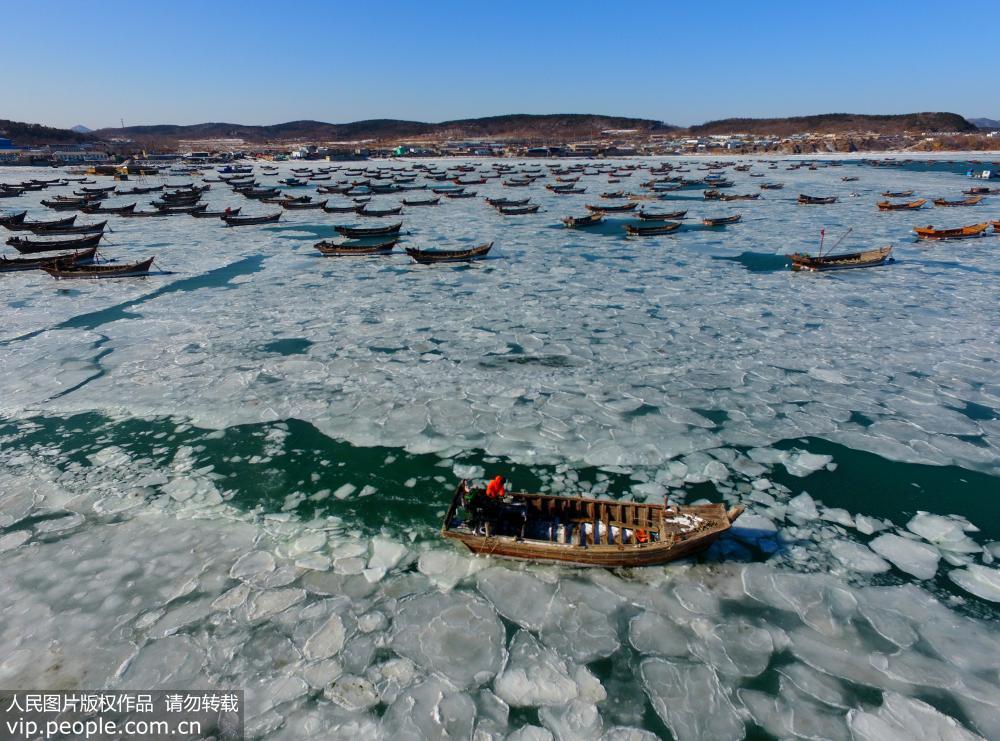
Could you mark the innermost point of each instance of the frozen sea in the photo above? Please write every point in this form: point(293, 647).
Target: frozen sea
point(231, 473)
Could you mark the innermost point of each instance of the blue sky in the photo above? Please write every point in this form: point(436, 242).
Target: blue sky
point(266, 62)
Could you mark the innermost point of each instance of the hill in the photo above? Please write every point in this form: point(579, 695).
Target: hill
point(986, 123)
point(836, 123)
point(29, 134)
point(562, 125)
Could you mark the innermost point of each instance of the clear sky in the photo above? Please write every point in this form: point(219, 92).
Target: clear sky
point(250, 62)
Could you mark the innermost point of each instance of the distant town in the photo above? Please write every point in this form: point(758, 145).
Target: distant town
point(655, 140)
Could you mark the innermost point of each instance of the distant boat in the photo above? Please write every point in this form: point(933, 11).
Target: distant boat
point(652, 216)
point(816, 200)
point(963, 232)
point(897, 194)
point(32, 246)
point(8, 265)
point(360, 232)
point(518, 210)
point(846, 261)
point(613, 209)
point(251, 220)
point(439, 256)
point(576, 222)
point(652, 231)
point(970, 201)
point(889, 206)
point(345, 250)
point(63, 270)
point(722, 221)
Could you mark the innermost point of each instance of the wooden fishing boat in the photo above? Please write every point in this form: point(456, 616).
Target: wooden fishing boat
point(849, 178)
point(507, 201)
point(45, 231)
point(653, 216)
point(72, 205)
point(302, 206)
point(652, 231)
point(377, 213)
point(970, 201)
point(846, 261)
point(980, 191)
point(100, 271)
point(583, 531)
point(215, 214)
point(962, 232)
point(347, 209)
point(10, 265)
point(98, 209)
point(630, 206)
point(996, 226)
point(568, 191)
point(31, 246)
point(772, 186)
point(722, 221)
point(422, 202)
point(889, 206)
point(361, 232)
point(742, 197)
point(18, 223)
point(251, 220)
point(816, 200)
point(14, 219)
point(435, 256)
point(183, 209)
point(614, 194)
point(711, 195)
point(463, 194)
point(576, 222)
point(518, 210)
point(100, 189)
point(147, 214)
point(897, 194)
point(343, 249)
point(139, 191)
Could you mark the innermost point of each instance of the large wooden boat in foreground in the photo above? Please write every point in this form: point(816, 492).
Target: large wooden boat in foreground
point(587, 532)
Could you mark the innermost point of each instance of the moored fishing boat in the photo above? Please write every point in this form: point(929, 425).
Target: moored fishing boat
point(360, 232)
point(507, 201)
point(652, 231)
point(215, 214)
point(630, 206)
point(437, 256)
point(31, 246)
point(302, 205)
point(911, 205)
point(376, 212)
point(722, 220)
point(970, 201)
point(250, 220)
point(582, 531)
point(344, 249)
point(845, 261)
point(575, 222)
point(17, 223)
point(9, 265)
point(45, 231)
point(653, 216)
point(124, 270)
point(518, 210)
point(897, 194)
point(421, 202)
point(816, 200)
point(962, 232)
